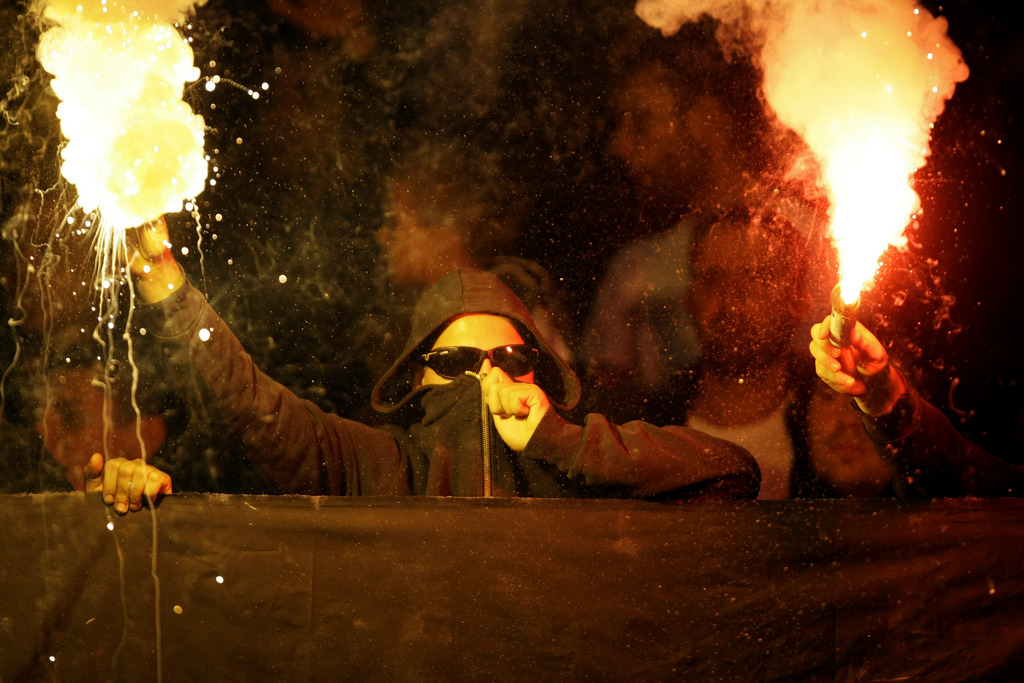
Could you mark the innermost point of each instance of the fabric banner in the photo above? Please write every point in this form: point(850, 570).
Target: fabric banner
point(291, 588)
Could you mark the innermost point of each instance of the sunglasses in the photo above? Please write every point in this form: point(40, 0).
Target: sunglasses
point(451, 361)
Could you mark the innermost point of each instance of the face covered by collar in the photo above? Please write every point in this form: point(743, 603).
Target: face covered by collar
point(460, 292)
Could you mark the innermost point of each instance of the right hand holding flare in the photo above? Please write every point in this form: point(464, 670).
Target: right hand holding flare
point(156, 272)
point(861, 369)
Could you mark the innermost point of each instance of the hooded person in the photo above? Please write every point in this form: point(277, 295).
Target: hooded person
point(468, 414)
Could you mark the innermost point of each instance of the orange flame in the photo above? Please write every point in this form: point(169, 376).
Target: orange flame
point(862, 82)
point(871, 204)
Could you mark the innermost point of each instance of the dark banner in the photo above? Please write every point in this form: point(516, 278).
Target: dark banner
point(219, 588)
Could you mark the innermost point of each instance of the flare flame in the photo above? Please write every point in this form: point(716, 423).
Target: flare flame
point(134, 148)
point(862, 82)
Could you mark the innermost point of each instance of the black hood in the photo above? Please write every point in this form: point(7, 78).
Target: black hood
point(460, 292)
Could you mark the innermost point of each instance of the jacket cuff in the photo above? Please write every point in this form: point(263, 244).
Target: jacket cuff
point(555, 440)
point(173, 316)
point(899, 422)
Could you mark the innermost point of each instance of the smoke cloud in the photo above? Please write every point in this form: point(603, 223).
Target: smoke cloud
point(861, 81)
point(134, 148)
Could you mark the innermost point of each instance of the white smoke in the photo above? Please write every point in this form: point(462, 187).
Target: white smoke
point(134, 148)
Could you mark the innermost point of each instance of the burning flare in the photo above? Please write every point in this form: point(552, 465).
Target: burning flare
point(862, 82)
point(134, 147)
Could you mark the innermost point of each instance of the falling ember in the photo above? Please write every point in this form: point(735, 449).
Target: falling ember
point(862, 83)
point(134, 148)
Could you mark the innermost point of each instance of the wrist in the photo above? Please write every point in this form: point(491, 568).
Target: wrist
point(882, 392)
point(899, 421)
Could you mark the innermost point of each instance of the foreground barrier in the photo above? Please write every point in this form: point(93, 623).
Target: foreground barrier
point(253, 588)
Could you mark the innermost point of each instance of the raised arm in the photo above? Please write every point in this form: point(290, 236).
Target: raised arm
point(296, 445)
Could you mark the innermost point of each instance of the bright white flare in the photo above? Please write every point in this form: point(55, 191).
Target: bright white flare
point(134, 147)
point(861, 81)
point(871, 204)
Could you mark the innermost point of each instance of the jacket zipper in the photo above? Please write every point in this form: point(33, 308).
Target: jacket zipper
point(485, 426)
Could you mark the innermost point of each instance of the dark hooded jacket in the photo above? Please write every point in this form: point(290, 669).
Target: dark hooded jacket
point(928, 458)
point(441, 434)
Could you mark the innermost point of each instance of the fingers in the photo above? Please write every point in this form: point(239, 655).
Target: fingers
point(825, 353)
point(838, 380)
point(157, 483)
point(834, 365)
point(517, 407)
point(153, 239)
point(127, 482)
point(158, 275)
point(508, 398)
point(820, 330)
point(513, 400)
point(868, 345)
point(860, 370)
point(489, 382)
point(94, 473)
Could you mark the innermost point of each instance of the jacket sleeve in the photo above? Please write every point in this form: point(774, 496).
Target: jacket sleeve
point(647, 461)
point(299, 447)
point(928, 458)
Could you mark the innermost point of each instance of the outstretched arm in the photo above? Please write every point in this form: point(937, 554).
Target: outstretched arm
point(298, 446)
point(926, 456)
